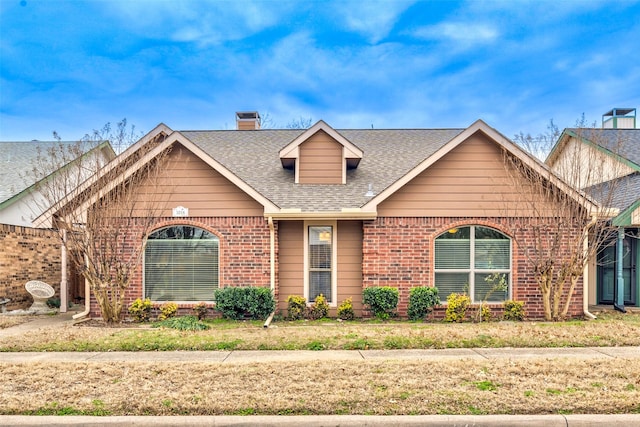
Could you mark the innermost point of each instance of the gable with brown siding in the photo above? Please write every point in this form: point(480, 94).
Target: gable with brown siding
point(321, 160)
point(471, 178)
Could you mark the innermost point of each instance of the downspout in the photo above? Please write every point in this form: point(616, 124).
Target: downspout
point(618, 293)
point(585, 275)
point(87, 298)
point(272, 266)
point(64, 291)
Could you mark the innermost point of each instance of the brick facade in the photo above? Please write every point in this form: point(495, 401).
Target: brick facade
point(244, 253)
point(399, 252)
point(27, 254)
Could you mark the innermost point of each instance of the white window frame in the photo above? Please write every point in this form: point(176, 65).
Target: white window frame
point(472, 270)
point(334, 258)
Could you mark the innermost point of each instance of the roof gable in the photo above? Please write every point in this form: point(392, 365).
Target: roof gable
point(292, 153)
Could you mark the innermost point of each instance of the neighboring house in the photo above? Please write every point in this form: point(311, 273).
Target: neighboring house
point(20, 199)
point(27, 253)
point(613, 175)
point(332, 211)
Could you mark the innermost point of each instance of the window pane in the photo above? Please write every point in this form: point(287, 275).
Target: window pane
point(492, 254)
point(452, 253)
point(320, 283)
point(181, 264)
point(491, 287)
point(320, 247)
point(448, 283)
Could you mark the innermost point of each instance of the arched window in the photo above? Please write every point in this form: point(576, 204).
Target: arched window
point(475, 260)
point(181, 264)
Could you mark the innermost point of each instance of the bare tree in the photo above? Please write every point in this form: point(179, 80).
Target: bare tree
point(97, 207)
point(563, 213)
point(267, 122)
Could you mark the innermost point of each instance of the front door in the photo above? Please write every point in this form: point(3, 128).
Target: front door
point(608, 274)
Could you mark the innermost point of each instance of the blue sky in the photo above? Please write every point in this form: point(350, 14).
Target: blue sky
point(72, 66)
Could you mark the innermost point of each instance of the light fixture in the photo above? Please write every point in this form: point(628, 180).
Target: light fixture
point(453, 230)
point(324, 236)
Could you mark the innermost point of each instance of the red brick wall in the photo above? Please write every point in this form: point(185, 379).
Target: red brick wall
point(399, 252)
point(27, 254)
point(244, 253)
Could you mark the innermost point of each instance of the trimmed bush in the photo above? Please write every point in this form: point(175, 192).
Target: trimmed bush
point(245, 302)
point(382, 300)
point(457, 305)
point(168, 310)
point(345, 310)
point(421, 302)
point(513, 310)
point(319, 309)
point(140, 310)
point(200, 310)
point(296, 307)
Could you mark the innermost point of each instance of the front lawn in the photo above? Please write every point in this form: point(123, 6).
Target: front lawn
point(611, 329)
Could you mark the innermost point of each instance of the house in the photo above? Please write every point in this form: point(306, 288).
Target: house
point(326, 211)
point(28, 253)
point(610, 159)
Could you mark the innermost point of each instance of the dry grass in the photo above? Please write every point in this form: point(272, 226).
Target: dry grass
point(9, 321)
point(610, 330)
point(366, 387)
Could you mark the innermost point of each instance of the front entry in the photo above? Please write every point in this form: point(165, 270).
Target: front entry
point(608, 275)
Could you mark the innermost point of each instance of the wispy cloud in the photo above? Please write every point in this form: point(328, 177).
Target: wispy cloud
point(373, 19)
point(465, 35)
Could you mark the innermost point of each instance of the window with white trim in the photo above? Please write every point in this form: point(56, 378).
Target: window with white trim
point(475, 260)
point(320, 263)
point(181, 264)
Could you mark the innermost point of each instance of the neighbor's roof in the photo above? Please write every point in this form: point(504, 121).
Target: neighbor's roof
point(253, 156)
point(17, 161)
point(621, 142)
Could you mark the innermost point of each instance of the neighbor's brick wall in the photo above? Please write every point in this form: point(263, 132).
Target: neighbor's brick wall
point(399, 252)
point(27, 254)
point(244, 253)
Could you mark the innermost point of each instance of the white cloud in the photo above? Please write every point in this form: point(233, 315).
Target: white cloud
point(466, 35)
point(373, 19)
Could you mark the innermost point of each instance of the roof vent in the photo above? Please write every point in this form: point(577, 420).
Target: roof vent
point(247, 120)
point(619, 118)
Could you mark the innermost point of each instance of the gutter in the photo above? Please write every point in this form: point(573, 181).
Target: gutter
point(64, 291)
point(272, 265)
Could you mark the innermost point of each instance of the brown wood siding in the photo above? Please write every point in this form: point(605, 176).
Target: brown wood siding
point(320, 160)
point(188, 181)
point(350, 263)
point(291, 261)
point(471, 180)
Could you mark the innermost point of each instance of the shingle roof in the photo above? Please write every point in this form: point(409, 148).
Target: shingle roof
point(16, 160)
point(253, 156)
point(624, 142)
point(626, 191)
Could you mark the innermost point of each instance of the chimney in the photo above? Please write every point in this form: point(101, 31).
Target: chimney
point(619, 118)
point(247, 120)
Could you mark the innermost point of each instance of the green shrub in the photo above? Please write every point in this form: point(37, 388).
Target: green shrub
point(457, 305)
point(421, 301)
point(140, 310)
point(200, 310)
point(382, 300)
point(319, 309)
point(185, 323)
point(168, 310)
point(513, 310)
point(245, 302)
point(345, 310)
point(484, 313)
point(296, 307)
